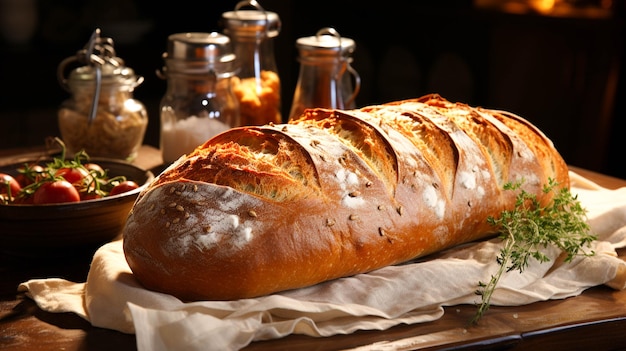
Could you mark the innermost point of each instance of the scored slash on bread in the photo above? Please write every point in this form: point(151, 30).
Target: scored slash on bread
point(262, 209)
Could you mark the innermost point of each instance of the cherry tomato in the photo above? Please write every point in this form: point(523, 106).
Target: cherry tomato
point(93, 167)
point(73, 175)
point(29, 175)
point(123, 187)
point(7, 182)
point(58, 191)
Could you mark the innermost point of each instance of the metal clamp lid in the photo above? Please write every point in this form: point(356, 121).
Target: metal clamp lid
point(326, 41)
point(99, 62)
point(253, 23)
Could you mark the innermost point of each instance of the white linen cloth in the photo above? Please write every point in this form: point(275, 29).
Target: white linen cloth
point(411, 293)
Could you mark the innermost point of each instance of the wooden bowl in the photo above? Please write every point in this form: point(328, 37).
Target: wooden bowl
point(68, 229)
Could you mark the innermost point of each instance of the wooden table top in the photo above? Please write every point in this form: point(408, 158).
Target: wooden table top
point(594, 320)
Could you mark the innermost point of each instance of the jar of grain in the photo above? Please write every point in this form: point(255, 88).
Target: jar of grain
point(101, 117)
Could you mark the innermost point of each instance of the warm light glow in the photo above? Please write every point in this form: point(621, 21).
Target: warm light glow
point(542, 6)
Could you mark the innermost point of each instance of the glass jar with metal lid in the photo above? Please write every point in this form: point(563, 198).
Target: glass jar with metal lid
point(199, 102)
point(326, 76)
point(257, 84)
point(101, 117)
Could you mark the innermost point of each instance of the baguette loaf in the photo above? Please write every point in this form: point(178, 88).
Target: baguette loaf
point(256, 210)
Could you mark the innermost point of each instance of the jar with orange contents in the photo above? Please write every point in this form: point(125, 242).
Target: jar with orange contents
point(257, 84)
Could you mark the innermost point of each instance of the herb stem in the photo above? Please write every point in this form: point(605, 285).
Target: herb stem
point(487, 290)
point(529, 228)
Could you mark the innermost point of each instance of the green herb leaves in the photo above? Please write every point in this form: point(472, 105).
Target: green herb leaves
point(531, 227)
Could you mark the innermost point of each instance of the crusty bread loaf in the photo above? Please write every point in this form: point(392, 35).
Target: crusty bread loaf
point(256, 210)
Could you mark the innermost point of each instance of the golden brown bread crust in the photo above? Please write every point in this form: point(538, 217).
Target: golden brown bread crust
point(263, 209)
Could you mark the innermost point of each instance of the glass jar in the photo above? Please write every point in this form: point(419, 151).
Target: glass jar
point(257, 84)
point(199, 102)
point(101, 117)
point(322, 82)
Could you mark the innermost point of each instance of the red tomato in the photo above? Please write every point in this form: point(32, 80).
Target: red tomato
point(73, 175)
point(123, 187)
point(33, 175)
point(8, 183)
point(93, 167)
point(56, 192)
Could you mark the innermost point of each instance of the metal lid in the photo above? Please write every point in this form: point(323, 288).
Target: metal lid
point(251, 23)
point(110, 75)
point(101, 66)
point(199, 52)
point(326, 42)
point(213, 47)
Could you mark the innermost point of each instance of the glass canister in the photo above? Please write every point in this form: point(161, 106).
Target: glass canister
point(101, 117)
point(257, 84)
point(199, 102)
point(326, 76)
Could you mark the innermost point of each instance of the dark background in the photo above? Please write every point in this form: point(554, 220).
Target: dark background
point(563, 71)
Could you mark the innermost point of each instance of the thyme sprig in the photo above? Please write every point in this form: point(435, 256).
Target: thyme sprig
point(530, 227)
